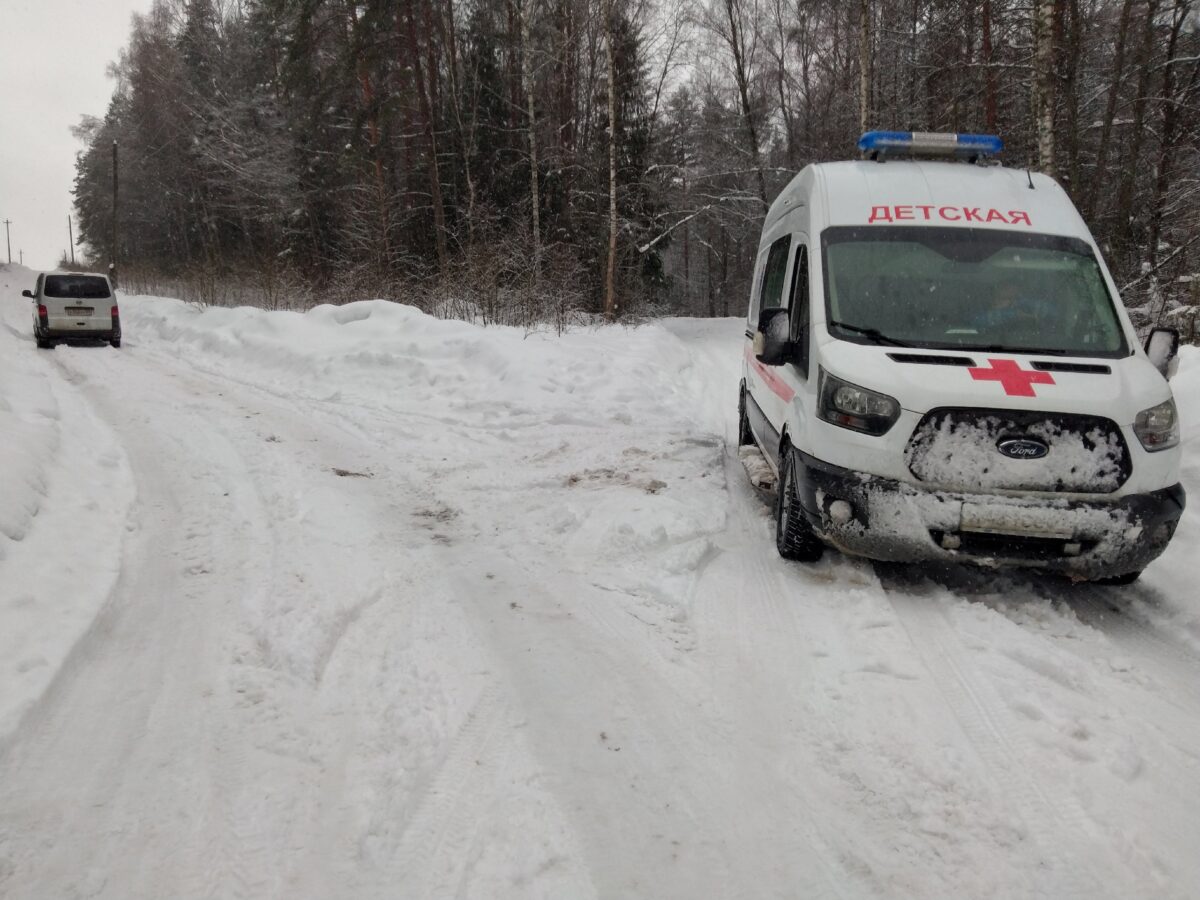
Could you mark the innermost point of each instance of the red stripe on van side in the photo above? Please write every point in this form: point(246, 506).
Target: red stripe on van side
point(778, 386)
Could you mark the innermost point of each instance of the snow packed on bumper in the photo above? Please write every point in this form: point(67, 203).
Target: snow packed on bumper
point(902, 523)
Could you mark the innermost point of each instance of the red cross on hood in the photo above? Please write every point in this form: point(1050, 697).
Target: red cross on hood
point(1017, 382)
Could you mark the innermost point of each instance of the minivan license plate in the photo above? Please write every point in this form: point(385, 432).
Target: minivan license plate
point(981, 517)
point(79, 310)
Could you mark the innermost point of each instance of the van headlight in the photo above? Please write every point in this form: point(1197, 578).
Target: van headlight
point(1158, 427)
point(850, 406)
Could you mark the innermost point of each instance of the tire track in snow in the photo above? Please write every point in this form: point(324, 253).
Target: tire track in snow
point(768, 642)
point(1111, 611)
point(17, 333)
point(218, 820)
point(434, 849)
point(1052, 817)
point(627, 743)
point(1171, 670)
point(804, 615)
point(151, 627)
point(237, 850)
point(1160, 670)
point(278, 801)
point(759, 607)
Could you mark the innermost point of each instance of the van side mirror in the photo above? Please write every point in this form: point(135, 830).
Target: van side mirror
point(1162, 346)
point(27, 293)
point(772, 343)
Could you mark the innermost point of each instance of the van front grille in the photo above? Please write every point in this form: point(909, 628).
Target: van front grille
point(960, 449)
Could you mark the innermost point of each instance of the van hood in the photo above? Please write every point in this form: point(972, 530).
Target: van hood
point(922, 380)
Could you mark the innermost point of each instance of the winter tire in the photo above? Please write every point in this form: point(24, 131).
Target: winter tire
point(116, 342)
point(793, 537)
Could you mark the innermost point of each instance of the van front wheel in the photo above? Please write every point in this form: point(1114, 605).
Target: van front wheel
point(793, 537)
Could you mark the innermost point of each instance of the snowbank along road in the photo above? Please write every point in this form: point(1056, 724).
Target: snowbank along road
point(357, 603)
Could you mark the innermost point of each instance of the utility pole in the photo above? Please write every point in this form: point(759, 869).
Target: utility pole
point(8, 239)
point(71, 238)
point(112, 265)
point(22, 252)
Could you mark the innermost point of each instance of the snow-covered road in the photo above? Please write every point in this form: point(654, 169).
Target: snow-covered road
point(360, 604)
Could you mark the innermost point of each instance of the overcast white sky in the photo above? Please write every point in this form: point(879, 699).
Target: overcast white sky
point(53, 56)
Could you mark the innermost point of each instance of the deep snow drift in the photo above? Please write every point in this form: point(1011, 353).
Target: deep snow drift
point(359, 603)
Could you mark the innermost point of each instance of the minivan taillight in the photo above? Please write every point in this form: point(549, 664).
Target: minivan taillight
point(114, 312)
point(43, 313)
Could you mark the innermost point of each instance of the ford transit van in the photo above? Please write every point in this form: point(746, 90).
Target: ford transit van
point(938, 367)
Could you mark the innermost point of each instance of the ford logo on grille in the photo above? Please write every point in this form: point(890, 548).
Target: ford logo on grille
point(1022, 448)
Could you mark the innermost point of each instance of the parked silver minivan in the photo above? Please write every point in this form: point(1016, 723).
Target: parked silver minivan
point(74, 306)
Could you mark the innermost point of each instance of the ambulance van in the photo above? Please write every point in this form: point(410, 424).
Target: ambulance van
point(938, 367)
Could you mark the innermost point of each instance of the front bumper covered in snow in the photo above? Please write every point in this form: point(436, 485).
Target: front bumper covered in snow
point(885, 519)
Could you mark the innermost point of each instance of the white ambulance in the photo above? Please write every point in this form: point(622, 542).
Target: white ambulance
point(938, 367)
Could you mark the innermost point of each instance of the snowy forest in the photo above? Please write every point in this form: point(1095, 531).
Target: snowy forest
point(526, 161)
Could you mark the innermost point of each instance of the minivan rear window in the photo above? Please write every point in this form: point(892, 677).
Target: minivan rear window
point(969, 289)
point(76, 287)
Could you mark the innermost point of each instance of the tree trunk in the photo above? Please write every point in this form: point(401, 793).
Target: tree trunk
point(373, 134)
point(708, 270)
point(989, 74)
point(381, 193)
point(513, 66)
point(466, 137)
point(1110, 111)
point(1172, 104)
point(1071, 48)
point(610, 290)
point(1124, 210)
point(864, 65)
point(781, 86)
point(741, 75)
point(724, 272)
point(1043, 84)
point(687, 269)
point(435, 182)
point(568, 104)
point(534, 197)
point(806, 81)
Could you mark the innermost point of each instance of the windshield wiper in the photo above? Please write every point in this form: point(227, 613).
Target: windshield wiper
point(873, 333)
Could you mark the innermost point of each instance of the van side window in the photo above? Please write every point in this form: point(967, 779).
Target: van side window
point(799, 307)
point(775, 273)
point(755, 294)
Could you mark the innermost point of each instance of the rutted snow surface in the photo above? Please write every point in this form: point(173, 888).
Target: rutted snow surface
point(373, 605)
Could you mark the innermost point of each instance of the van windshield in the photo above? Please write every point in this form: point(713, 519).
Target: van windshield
point(968, 288)
point(76, 287)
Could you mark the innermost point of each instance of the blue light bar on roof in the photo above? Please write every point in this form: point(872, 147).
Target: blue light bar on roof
point(928, 143)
